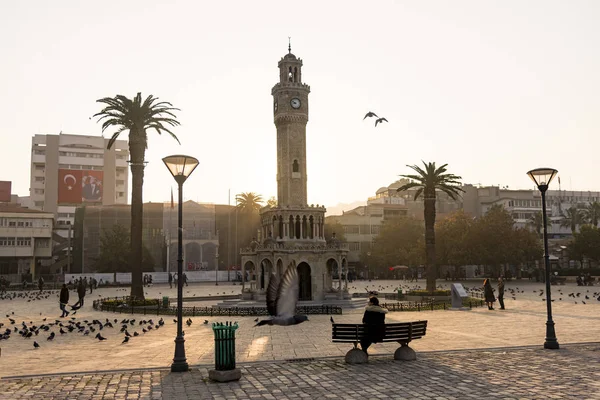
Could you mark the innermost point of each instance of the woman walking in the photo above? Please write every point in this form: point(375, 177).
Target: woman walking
point(489, 294)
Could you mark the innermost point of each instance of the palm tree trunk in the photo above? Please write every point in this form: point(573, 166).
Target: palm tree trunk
point(137, 149)
point(429, 214)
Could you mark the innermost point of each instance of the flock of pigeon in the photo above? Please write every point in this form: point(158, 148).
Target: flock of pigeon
point(32, 295)
point(72, 326)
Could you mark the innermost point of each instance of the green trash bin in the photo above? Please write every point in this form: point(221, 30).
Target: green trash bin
point(165, 302)
point(224, 345)
point(399, 294)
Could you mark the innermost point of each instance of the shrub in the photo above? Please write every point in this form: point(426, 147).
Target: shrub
point(427, 293)
point(126, 301)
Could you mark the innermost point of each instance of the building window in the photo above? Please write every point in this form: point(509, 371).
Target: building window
point(295, 166)
point(375, 229)
point(39, 204)
point(42, 243)
point(38, 191)
point(354, 246)
point(120, 182)
point(39, 152)
point(121, 194)
point(12, 223)
point(23, 242)
point(351, 229)
point(39, 179)
point(39, 167)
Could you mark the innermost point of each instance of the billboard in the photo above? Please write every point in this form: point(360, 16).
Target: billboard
point(77, 186)
point(5, 189)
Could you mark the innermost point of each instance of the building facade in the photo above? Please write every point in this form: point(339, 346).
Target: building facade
point(293, 231)
point(159, 235)
point(70, 170)
point(25, 240)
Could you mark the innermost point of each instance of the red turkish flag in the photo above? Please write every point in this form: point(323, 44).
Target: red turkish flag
point(69, 186)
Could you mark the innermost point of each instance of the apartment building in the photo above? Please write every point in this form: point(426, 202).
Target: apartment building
point(71, 170)
point(25, 240)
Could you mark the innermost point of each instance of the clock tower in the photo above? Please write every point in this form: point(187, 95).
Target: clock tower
point(293, 232)
point(290, 109)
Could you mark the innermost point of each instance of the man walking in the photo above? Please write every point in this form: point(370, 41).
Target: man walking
point(81, 294)
point(501, 293)
point(64, 300)
point(170, 280)
point(41, 284)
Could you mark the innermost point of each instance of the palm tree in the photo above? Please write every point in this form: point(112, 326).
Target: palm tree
point(428, 181)
point(249, 202)
point(591, 213)
point(536, 221)
point(137, 117)
point(572, 218)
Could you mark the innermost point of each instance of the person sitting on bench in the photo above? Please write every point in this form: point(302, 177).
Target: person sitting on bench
point(374, 318)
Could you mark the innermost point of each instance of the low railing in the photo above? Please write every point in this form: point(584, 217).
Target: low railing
point(159, 309)
point(429, 305)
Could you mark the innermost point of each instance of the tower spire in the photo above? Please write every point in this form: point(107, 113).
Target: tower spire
point(289, 45)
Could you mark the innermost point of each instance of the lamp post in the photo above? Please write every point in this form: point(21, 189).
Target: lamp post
point(181, 167)
point(217, 269)
point(542, 178)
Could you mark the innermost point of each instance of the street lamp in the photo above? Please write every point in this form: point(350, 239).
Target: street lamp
point(217, 269)
point(542, 178)
point(181, 167)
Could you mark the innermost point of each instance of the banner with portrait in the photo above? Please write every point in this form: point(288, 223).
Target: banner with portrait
point(80, 186)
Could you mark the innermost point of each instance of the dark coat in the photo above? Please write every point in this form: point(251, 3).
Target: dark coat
point(81, 290)
point(64, 295)
point(374, 318)
point(489, 293)
point(501, 289)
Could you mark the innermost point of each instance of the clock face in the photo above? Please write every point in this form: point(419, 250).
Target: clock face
point(295, 103)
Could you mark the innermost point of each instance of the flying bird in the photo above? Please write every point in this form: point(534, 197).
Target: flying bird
point(370, 114)
point(380, 120)
point(282, 297)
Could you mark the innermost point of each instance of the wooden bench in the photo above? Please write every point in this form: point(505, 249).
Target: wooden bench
point(403, 333)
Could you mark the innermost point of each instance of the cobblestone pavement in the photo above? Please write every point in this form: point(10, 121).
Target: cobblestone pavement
point(523, 323)
point(573, 372)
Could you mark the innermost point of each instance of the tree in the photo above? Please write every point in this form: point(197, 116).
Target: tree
point(572, 218)
point(333, 226)
point(536, 221)
point(492, 238)
point(399, 242)
point(249, 202)
point(137, 117)
point(585, 243)
point(428, 181)
point(591, 213)
point(453, 244)
point(115, 252)
point(272, 202)
point(248, 207)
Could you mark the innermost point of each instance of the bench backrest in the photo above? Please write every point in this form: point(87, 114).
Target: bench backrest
point(403, 331)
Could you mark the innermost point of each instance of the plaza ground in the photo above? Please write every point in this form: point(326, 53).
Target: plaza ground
point(263, 349)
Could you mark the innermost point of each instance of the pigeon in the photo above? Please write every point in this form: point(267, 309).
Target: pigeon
point(282, 296)
point(188, 322)
point(370, 114)
point(331, 319)
point(125, 340)
point(51, 337)
point(206, 321)
point(380, 120)
point(36, 345)
point(100, 337)
point(256, 320)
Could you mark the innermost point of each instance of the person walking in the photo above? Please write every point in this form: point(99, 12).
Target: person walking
point(501, 293)
point(64, 300)
point(41, 284)
point(374, 318)
point(81, 294)
point(170, 280)
point(488, 293)
point(185, 282)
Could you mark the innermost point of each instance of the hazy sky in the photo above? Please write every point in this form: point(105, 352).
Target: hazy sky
point(493, 88)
